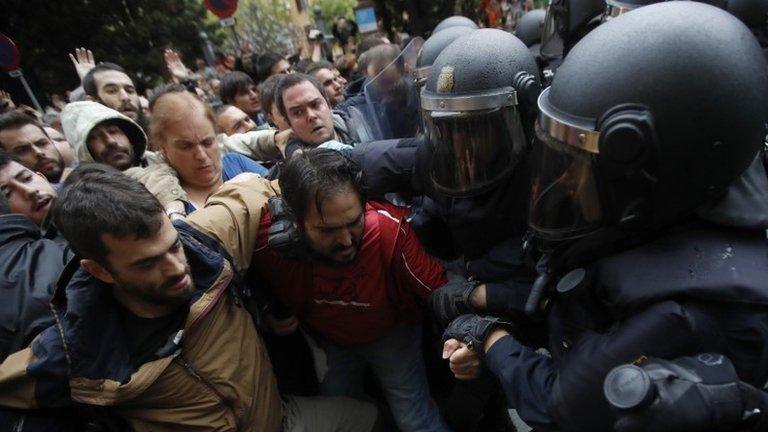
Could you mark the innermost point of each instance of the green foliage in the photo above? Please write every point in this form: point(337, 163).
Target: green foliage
point(131, 33)
point(333, 8)
point(266, 24)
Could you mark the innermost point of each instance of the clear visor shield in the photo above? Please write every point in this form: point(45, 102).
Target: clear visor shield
point(392, 99)
point(615, 8)
point(551, 42)
point(565, 201)
point(472, 150)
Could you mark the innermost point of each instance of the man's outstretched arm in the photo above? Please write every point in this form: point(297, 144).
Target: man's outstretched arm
point(231, 216)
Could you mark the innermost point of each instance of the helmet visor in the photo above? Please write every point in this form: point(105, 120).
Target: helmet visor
point(565, 202)
point(551, 42)
point(614, 8)
point(471, 150)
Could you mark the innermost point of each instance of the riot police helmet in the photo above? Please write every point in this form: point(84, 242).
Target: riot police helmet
point(432, 48)
point(530, 26)
point(635, 132)
point(566, 22)
point(476, 104)
point(455, 21)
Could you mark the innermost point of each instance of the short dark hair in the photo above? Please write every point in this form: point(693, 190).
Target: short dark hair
point(367, 43)
point(264, 64)
point(233, 83)
point(267, 92)
point(316, 66)
point(15, 120)
point(301, 65)
point(84, 170)
point(105, 203)
point(316, 174)
point(5, 159)
point(89, 83)
point(290, 80)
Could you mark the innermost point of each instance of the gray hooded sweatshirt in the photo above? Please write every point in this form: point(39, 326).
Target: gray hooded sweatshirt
point(79, 118)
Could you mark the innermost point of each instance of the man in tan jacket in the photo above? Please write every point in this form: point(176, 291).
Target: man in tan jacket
point(151, 323)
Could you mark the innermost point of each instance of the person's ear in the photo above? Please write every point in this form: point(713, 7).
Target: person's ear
point(90, 98)
point(97, 270)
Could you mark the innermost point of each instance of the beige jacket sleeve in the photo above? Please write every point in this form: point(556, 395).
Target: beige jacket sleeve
point(258, 144)
point(17, 389)
point(161, 180)
point(232, 215)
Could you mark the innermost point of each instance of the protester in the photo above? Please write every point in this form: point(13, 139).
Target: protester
point(26, 139)
point(109, 85)
point(301, 100)
point(62, 145)
point(183, 130)
point(32, 255)
point(238, 89)
point(267, 91)
point(357, 283)
point(331, 80)
point(101, 134)
point(271, 63)
point(232, 120)
point(150, 325)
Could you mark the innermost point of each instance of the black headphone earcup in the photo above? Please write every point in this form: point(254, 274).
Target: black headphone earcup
point(627, 137)
point(627, 147)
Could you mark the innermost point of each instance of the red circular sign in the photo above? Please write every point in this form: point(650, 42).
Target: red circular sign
point(10, 58)
point(222, 8)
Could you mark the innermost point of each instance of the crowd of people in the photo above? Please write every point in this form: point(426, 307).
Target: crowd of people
point(568, 221)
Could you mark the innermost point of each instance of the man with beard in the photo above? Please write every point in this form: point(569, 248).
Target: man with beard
point(100, 134)
point(28, 193)
point(331, 80)
point(109, 85)
point(25, 138)
point(31, 257)
point(151, 326)
point(354, 273)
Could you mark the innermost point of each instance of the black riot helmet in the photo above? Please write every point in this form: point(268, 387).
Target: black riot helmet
point(530, 26)
point(635, 132)
point(454, 21)
point(432, 48)
point(476, 104)
point(567, 21)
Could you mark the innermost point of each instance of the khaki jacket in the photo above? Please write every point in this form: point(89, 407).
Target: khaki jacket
point(163, 181)
point(216, 376)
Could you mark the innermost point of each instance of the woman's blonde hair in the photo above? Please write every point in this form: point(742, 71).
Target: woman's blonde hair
point(167, 105)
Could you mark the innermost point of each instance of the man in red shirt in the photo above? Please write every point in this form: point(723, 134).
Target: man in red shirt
point(359, 283)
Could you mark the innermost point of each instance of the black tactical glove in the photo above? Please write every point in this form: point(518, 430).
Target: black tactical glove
point(474, 329)
point(453, 299)
point(701, 393)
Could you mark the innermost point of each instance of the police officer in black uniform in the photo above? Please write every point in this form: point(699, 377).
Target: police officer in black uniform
point(469, 172)
point(567, 21)
point(650, 200)
point(479, 105)
point(689, 394)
